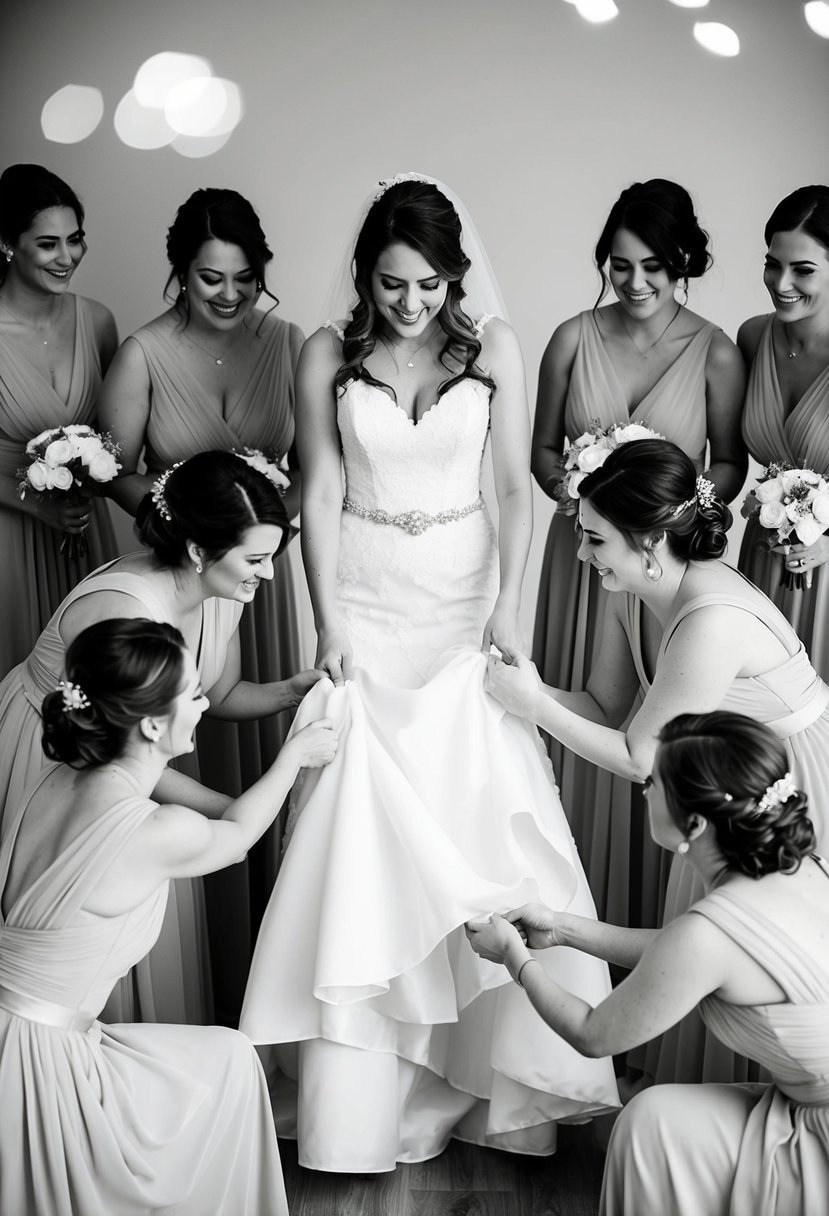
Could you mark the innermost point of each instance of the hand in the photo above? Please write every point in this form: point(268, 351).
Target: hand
point(804, 559)
point(316, 744)
point(334, 655)
point(69, 516)
point(501, 631)
point(515, 685)
point(496, 940)
point(538, 926)
point(302, 683)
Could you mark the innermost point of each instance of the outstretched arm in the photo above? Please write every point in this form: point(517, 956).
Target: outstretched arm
point(124, 411)
point(724, 395)
point(548, 427)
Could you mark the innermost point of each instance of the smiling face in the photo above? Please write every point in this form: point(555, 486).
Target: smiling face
point(46, 254)
point(640, 281)
point(605, 547)
point(186, 711)
point(221, 286)
point(407, 292)
point(796, 275)
point(237, 575)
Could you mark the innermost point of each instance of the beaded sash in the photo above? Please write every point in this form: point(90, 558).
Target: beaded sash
point(413, 522)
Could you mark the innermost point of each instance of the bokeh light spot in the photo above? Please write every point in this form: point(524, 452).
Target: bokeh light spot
point(199, 145)
point(139, 126)
point(596, 10)
point(816, 13)
point(717, 38)
point(204, 106)
point(162, 72)
point(72, 114)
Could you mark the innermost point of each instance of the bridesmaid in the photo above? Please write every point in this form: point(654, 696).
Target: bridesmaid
point(54, 348)
point(213, 372)
point(646, 357)
point(787, 403)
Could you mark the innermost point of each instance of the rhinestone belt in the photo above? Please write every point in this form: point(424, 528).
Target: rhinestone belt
point(413, 522)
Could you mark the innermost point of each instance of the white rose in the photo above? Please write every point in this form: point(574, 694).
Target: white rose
point(769, 491)
point(38, 475)
point(61, 478)
point(592, 458)
point(59, 451)
point(820, 507)
point(808, 530)
point(103, 466)
point(773, 515)
point(634, 430)
point(39, 440)
point(790, 478)
point(573, 483)
point(87, 446)
point(78, 428)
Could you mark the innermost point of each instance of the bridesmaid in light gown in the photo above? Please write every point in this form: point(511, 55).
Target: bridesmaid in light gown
point(125, 1119)
point(214, 372)
point(648, 358)
point(751, 951)
point(209, 536)
point(54, 348)
point(787, 403)
point(684, 632)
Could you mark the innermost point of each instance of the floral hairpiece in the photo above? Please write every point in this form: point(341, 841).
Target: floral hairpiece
point(388, 182)
point(272, 469)
point(74, 697)
point(704, 495)
point(776, 794)
point(159, 485)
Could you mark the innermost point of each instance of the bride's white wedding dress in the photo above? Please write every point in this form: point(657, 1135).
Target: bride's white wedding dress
point(438, 808)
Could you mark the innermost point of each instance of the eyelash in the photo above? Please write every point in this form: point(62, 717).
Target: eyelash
point(423, 286)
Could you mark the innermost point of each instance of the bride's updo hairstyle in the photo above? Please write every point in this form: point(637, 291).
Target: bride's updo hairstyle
point(661, 214)
point(25, 191)
point(212, 499)
point(648, 486)
point(213, 214)
point(419, 215)
point(725, 767)
point(117, 672)
point(806, 208)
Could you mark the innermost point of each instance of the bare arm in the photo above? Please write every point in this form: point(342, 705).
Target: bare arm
point(106, 333)
point(724, 394)
point(553, 384)
point(509, 424)
point(233, 699)
point(293, 494)
point(178, 788)
point(320, 456)
point(124, 411)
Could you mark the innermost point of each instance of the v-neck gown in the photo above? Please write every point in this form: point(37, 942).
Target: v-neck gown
point(438, 808)
point(802, 439)
point(231, 756)
point(172, 983)
point(36, 575)
point(792, 701)
point(738, 1150)
point(607, 815)
point(116, 1120)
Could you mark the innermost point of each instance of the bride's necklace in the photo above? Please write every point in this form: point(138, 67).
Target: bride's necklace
point(643, 354)
point(390, 346)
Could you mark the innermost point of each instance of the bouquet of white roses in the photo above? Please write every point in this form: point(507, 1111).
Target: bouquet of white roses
point(789, 503)
point(70, 462)
point(591, 450)
point(274, 468)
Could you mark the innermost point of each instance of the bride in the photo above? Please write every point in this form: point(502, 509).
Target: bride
point(439, 807)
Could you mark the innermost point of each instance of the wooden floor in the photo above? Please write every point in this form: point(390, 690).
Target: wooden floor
point(463, 1181)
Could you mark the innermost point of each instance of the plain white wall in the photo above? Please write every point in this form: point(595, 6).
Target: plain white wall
point(536, 118)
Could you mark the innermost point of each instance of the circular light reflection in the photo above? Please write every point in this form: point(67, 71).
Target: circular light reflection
point(72, 113)
point(199, 145)
point(160, 73)
point(204, 106)
point(139, 126)
point(689, 3)
point(596, 10)
point(717, 38)
point(816, 13)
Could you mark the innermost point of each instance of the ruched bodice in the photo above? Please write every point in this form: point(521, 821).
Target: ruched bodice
point(395, 464)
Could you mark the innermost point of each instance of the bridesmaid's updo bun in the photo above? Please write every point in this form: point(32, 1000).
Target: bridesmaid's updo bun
point(211, 499)
point(648, 486)
point(117, 672)
point(661, 214)
point(732, 771)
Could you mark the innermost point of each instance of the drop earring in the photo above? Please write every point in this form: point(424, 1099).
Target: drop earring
point(199, 567)
point(683, 847)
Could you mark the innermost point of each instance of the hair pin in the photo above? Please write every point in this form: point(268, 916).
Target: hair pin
point(776, 794)
point(74, 697)
point(159, 501)
point(704, 495)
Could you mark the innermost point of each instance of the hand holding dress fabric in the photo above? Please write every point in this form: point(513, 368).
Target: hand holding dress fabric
point(514, 685)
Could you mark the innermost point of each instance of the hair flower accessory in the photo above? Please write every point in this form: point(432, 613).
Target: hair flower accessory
point(776, 794)
point(704, 496)
point(275, 469)
point(590, 451)
point(388, 182)
point(157, 492)
point(74, 697)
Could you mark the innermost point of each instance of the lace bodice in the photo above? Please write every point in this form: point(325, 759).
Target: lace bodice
point(394, 464)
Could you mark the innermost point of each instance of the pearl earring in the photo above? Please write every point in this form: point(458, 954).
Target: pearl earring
point(683, 847)
point(653, 573)
point(199, 567)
